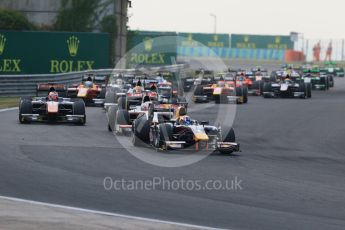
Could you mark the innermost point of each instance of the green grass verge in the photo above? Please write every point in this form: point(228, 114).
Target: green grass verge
point(8, 102)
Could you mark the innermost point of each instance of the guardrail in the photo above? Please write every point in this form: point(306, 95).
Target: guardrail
point(26, 84)
point(11, 85)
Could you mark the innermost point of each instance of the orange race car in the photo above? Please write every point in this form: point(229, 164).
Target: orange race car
point(226, 90)
point(91, 90)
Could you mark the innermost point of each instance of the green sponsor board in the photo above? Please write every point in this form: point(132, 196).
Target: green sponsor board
point(150, 48)
point(244, 41)
point(52, 52)
point(210, 40)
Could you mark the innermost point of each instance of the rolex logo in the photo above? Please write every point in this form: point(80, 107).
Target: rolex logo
point(2, 43)
point(277, 40)
point(215, 37)
point(148, 42)
point(73, 44)
point(246, 38)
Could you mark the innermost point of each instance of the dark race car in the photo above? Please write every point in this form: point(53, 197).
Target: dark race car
point(51, 108)
point(175, 130)
point(287, 88)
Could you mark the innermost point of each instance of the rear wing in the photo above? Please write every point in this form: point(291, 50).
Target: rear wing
point(45, 87)
point(99, 80)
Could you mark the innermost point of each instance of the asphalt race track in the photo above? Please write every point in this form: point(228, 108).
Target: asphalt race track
point(292, 167)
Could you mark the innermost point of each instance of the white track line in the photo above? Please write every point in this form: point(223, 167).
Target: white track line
point(105, 213)
point(8, 109)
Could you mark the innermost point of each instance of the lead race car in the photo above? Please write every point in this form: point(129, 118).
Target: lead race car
point(175, 130)
point(51, 108)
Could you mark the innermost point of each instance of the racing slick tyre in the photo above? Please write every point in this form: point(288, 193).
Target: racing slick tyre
point(163, 132)
point(240, 93)
point(257, 85)
point(273, 78)
point(267, 87)
point(110, 97)
point(122, 103)
point(261, 86)
point(303, 88)
point(199, 90)
point(121, 118)
point(79, 109)
point(25, 107)
point(111, 117)
point(141, 130)
point(308, 86)
point(331, 81)
point(228, 135)
point(221, 99)
point(102, 93)
point(245, 94)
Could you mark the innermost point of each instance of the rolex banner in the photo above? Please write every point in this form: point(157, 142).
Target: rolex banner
point(148, 48)
point(246, 41)
point(52, 52)
point(199, 39)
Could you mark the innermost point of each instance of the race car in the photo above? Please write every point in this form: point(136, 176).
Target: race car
point(317, 80)
point(52, 109)
point(91, 90)
point(288, 87)
point(253, 81)
point(331, 68)
point(188, 84)
point(120, 119)
point(176, 130)
point(135, 96)
point(225, 91)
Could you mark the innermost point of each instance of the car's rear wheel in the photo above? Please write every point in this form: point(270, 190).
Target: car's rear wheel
point(141, 130)
point(102, 93)
point(228, 135)
point(122, 102)
point(240, 93)
point(79, 109)
point(122, 118)
point(199, 90)
point(267, 87)
point(308, 86)
point(245, 95)
point(25, 107)
point(163, 133)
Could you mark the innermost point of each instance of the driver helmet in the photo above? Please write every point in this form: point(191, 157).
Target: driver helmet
point(137, 89)
point(53, 96)
point(119, 81)
point(185, 120)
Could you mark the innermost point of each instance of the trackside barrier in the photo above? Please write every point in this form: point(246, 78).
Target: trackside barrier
point(25, 85)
